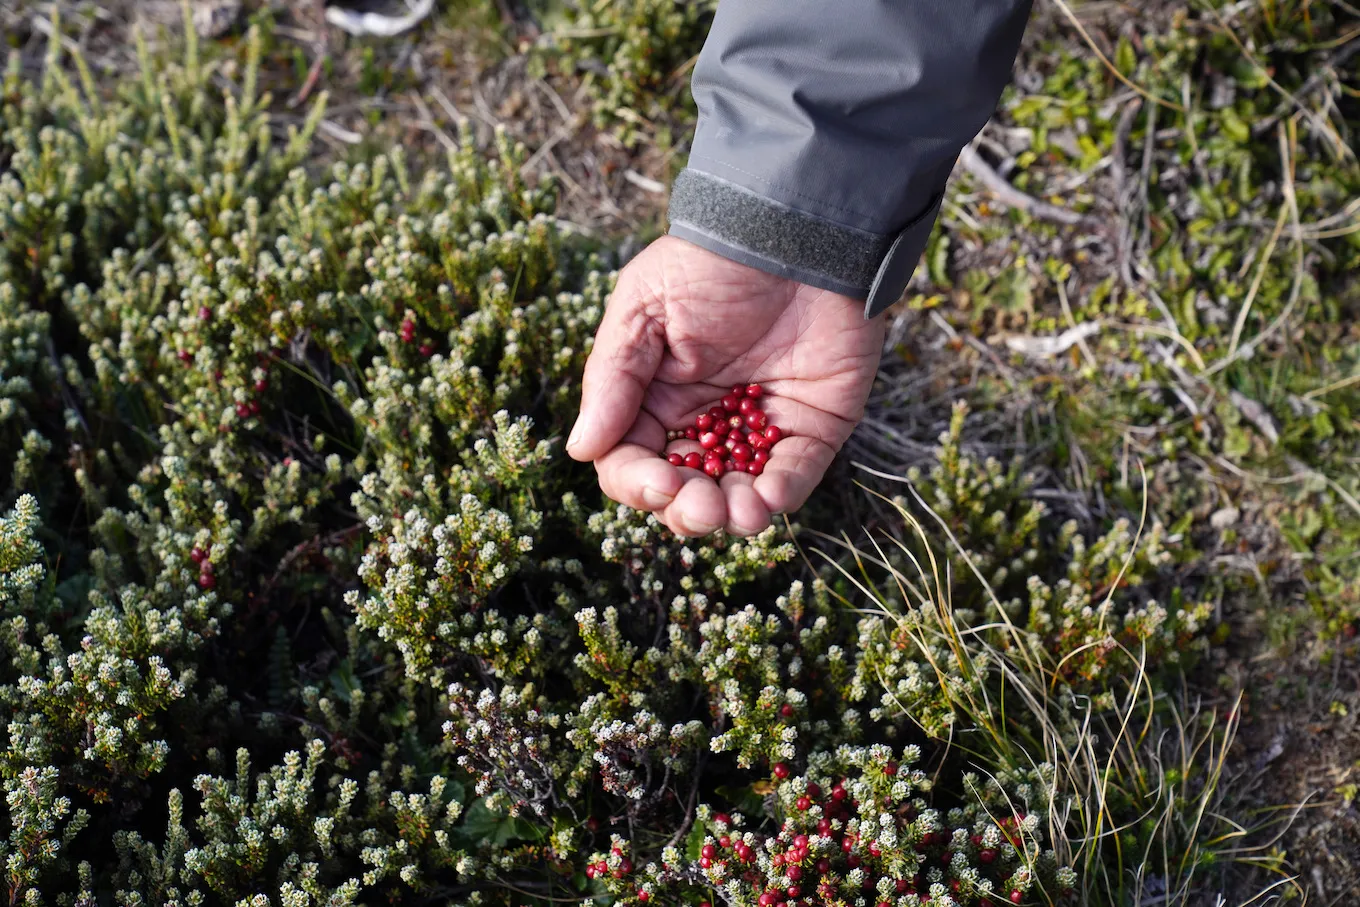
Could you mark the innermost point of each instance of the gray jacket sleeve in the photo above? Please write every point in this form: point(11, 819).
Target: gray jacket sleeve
point(827, 130)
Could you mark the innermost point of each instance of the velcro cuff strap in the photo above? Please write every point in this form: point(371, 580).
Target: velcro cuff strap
point(739, 224)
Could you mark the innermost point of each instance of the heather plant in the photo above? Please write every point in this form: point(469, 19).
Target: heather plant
point(302, 605)
point(638, 54)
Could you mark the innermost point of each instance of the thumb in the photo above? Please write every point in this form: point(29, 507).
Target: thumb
point(628, 349)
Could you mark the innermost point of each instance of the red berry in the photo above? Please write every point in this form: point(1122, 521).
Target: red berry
point(884, 904)
point(794, 873)
point(985, 902)
point(773, 434)
point(787, 711)
point(853, 861)
point(692, 433)
point(643, 895)
point(736, 422)
point(987, 855)
point(426, 350)
point(254, 407)
point(743, 851)
point(262, 385)
point(703, 422)
point(408, 331)
point(902, 885)
point(765, 900)
point(837, 793)
point(823, 865)
point(713, 469)
point(722, 818)
point(626, 866)
point(874, 849)
point(793, 891)
point(746, 405)
point(709, 851)
point(705, 862)
point(185, 356)
point(754, 390)
point(694, 461)
point(756, 419)
point(731, 441)
point(590, 871)
point(1016, 897)
point(756, 440)
point(207, 580)
point(242, 410)
point(890, 769)
point(198, 555)
point(675, 459)
point(708, 440)
point(803, 803)
point(729, 403)
point(760, 457)
point(814, 789)
point(781, 770)
point(718, 413)
point(721, 428)
point(741, 452)
point(205, 313)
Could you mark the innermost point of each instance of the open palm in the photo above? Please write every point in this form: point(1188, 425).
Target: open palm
point(684, 326)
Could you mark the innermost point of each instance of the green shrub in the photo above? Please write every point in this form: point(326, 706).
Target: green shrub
point(302, 605)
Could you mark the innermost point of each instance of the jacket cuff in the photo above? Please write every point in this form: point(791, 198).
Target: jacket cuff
point(739, 224)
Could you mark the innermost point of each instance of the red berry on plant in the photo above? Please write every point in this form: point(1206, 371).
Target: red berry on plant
point(987, 856)
point(207, 580)
point(262, 385)
point(722, 818)
point(890, 769)
point(198, 555)
point(254, 407)
point(874, 849)
point(823, 865)
point(1016, 897)
point(709, 851)
point(781, 770)
point(803, 803)
point(787, 711)
point(242, 410)
point(185, 356)
point(644, 895)
point(205, 313)
point(794, 873)
point(426, 350)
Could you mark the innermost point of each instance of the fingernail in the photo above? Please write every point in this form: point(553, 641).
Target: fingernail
point(653, 499)
point(701, 528)
point(576, 431)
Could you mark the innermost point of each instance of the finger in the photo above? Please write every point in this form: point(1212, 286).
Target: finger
point(746, 512)
point(795, 467)
point(632, 473)
point(699, 509)
point(628, 348)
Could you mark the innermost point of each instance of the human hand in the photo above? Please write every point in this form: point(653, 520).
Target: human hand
point(683, 326)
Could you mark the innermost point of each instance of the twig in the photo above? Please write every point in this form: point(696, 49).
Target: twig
point(1012, 197)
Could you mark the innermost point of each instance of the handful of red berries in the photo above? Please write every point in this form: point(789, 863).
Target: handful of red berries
point(736, 435)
